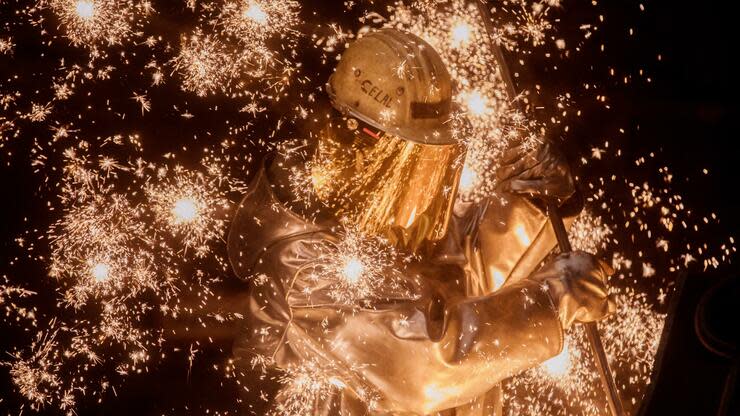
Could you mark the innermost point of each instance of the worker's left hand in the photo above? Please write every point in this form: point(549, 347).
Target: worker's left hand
point(542, 172)
point(577, 283)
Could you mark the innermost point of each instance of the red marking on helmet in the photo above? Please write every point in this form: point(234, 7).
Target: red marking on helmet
point(371, 133)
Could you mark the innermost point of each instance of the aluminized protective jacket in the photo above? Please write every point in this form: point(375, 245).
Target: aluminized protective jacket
point(463, 318)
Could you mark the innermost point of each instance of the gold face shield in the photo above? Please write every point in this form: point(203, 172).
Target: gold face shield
point(386, 185)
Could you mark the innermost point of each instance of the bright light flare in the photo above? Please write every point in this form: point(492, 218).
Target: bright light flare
point(468, 179)
point(255, 12)
point(558, 365)
point(189, 204)
point(461, 34)
point(185, 210)
point(352, 270)
point(85, 9)
point(476, 103)
point(100, 272)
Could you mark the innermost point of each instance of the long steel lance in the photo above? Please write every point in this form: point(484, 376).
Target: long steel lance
point(592, 331)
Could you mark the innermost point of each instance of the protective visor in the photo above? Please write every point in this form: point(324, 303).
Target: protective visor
point(386, 185)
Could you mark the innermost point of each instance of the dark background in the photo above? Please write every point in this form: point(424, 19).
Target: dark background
point(687, 116)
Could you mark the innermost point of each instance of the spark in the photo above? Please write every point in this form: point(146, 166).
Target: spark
point(360, 268)
point(143, 101)
point(6, 45)
point(90, 23)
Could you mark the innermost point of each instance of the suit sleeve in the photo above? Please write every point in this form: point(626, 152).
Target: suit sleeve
point(415, 348)
point(514, 239)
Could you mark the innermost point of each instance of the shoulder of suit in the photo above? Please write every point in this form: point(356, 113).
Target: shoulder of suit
point(262, 221)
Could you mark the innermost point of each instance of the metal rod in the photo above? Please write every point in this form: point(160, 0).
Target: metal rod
point(498, 54)
point(602, 365)
point(592, 331)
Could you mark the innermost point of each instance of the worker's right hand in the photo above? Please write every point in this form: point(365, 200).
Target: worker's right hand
point(576, 282)
point(541, 171)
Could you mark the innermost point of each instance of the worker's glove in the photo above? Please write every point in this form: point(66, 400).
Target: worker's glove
point(576, 282)
point(541, 171)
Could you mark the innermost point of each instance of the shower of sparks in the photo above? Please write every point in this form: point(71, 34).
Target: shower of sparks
point(128, 227)
point(492, 118)
point(120, 248)
point(532, 22)
point(37, 376)
point(96, 249)
point(361, 269)
point(305, 384)
point(588, 233)
point(242, 50)
point(191, 206)
point(206, 64)
point(252, 22)
point(13, 309)
point(570, 381)
point(93, 22)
